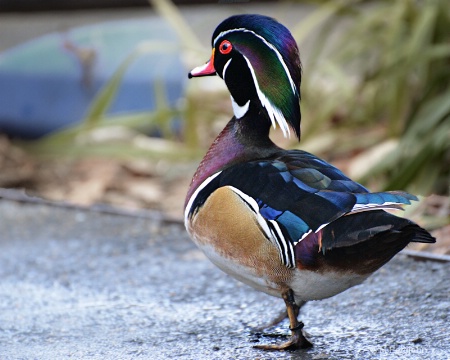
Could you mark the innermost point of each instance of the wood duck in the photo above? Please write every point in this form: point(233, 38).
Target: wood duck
point(282, 221)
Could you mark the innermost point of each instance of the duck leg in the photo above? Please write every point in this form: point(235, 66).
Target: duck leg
point(279, 318)
point(297, 339)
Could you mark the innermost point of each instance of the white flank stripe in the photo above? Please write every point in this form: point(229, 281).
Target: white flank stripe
point(303, 237)
point(194, 195)
point(284, 247)
point(252, 202)
point(356, 209)
point(321, 227)
point(254, 205)
point(279, 245)
point(288, 249)
point(370, 207)
point(275, 114)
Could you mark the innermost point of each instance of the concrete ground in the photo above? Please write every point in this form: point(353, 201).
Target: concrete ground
point(85, 284)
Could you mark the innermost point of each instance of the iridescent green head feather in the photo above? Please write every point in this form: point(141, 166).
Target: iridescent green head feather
point(272, 58)
point(260, 63)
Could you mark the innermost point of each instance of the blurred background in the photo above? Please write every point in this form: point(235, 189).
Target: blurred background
point(96, 107)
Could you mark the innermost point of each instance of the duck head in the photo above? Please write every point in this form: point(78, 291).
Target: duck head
point(259, 61)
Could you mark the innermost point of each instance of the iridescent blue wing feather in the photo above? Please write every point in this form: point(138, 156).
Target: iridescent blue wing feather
point(300, 192)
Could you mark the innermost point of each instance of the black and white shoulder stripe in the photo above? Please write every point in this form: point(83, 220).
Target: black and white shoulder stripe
point(270, 228)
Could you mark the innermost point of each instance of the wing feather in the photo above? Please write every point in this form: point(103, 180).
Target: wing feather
point(295, 194)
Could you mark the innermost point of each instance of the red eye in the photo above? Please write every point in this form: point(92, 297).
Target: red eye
point(225, 47)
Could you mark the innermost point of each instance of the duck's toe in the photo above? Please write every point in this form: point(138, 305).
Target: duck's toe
point(297, 340)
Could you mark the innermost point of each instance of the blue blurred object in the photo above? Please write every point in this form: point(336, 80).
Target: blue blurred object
point(49, 83)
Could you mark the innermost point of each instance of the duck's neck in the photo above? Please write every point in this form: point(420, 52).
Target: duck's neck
point(241, 140)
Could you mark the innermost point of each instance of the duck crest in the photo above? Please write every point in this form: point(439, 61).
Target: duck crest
point(259, 61)
point(272, 57)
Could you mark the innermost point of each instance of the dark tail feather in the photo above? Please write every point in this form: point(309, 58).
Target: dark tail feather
point(361, 227)
point(361, 242)
point(420, 235)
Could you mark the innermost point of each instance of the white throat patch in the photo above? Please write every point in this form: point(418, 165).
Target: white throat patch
point(239, 111)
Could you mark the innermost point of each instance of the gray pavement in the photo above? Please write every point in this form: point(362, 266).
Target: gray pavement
point(83, 284)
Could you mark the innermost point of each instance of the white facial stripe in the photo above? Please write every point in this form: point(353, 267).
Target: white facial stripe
point(269, 45)
point(239, 111)
point(194, 195)
point(225, 68)
point(275, 114)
